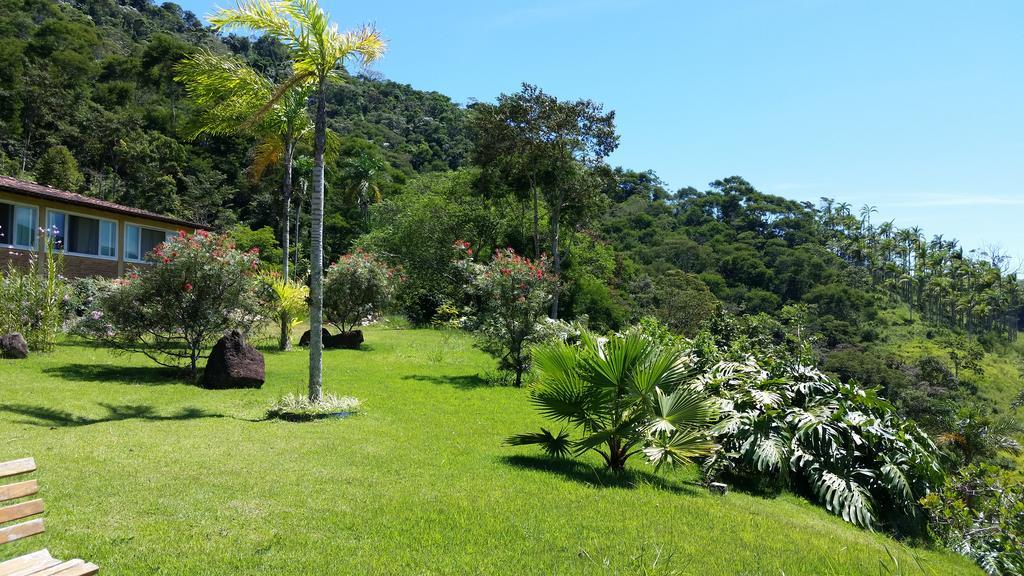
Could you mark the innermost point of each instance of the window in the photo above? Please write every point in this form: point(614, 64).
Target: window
point(139, 240)
point(18, 225)
point(83, 235)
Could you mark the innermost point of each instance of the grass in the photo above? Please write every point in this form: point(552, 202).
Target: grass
point(143, 474)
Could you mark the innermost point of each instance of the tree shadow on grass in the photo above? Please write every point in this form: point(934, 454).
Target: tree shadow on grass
point(598, 477)
point(466, 381)
point(137, 375)
point(43, 416)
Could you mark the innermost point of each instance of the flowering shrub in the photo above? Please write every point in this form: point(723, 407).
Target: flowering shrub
point(514, 293)
point(356, 287)
point(198, 287)
point(32, 303)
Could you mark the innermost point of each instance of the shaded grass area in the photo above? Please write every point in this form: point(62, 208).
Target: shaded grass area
point(173, 479)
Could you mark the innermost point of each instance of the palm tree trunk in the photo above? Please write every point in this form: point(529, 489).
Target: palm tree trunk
point(316, 250)
point(286, 194)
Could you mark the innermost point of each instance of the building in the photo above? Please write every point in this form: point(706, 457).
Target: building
point(98, 238)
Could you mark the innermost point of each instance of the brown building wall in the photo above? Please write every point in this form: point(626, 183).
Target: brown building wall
point(81, 266)
point(9, 256)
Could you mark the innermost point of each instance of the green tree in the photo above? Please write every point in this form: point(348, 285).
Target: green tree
point(320, 51)
point(545, 149)
point(236, 98)
point(58, 168)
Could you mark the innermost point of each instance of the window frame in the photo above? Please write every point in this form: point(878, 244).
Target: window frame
point(142, 257)
point(64, 248)
point(35, 227)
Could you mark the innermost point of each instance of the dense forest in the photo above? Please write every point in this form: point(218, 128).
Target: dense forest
point(90, 101)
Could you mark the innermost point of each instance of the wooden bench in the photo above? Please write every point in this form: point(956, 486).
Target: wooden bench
point(37, 563)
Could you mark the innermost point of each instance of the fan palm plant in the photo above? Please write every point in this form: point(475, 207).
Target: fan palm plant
point(624, 397)
point(319, 51)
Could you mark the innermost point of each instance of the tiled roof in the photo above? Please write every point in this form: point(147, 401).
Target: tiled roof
point(34, 190)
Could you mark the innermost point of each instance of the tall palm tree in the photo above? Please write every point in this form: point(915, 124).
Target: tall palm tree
point(319, 51)
point(234, 98)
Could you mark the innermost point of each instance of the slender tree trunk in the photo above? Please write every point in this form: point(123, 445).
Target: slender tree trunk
point(556, 257)
point(316, 250)
point(536, 222)
point(286, 194)
point(298, 224)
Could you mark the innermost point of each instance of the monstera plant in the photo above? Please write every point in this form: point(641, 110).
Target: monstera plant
point(797, 427)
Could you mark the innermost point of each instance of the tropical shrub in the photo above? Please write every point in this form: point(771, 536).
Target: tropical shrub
point(173, 310)
point(793, 426)
point(514, 293)
point(288, 305)
point(33, 303)
point(624, 396)
point(979, 512)
point(357, 286)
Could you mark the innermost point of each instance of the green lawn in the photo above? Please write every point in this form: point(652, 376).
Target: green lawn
point(145, 475)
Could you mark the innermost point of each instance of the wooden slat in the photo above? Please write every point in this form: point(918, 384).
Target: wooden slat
point(16, 566)
point(83, 569)
point(19, 531)
point(15, 467)
point(21, 510)
point(36, 568)
point(18, 490)
point(58, 569)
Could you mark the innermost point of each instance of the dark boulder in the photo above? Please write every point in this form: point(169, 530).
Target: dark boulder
point(304, 341)
point(233, 364)
point(13, 346)
point(346, 340)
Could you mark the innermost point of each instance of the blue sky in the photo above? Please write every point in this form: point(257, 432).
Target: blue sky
point(915, 107)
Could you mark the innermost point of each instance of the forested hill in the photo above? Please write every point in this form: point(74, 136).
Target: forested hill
point(89, 102)
point(97, 77)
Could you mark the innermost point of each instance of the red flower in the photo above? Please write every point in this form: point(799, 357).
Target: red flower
point(187, 287)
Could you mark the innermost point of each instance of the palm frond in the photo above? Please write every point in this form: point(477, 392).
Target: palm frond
point(258, 16)
point(554, 445)
point(684, 408)
point(678, 448)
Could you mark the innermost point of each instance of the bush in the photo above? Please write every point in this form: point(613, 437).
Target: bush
point(289, 305)
point(172, 311)
point(979, 512)
point(625, 395)
point(32, 303)
point(356, 287)
point(514, 293)
point(792, 426)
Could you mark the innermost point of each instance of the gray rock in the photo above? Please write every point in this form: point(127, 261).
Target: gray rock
point(13, 346)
